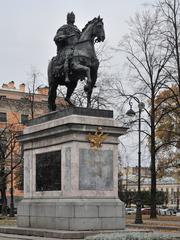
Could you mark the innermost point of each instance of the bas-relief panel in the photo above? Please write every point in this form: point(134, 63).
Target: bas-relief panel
point(95, 169)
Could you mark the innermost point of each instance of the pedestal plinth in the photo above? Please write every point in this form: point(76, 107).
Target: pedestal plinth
point(71, 172)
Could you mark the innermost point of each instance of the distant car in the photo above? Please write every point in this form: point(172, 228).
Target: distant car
point(171, 211)
point(162, 211)
point(178, 213)
point(130, 211)
point(167, 211)
point(146, 211)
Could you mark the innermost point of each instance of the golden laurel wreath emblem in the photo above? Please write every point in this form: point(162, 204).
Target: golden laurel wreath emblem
point(97, 138)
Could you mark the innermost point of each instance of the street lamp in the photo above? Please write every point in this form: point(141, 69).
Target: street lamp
point(131, 113)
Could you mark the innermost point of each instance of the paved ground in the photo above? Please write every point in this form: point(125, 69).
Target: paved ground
point(19, 237)
point(164, 224)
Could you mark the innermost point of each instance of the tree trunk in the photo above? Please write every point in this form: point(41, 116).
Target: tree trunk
point(153, 162)
point(4, 201)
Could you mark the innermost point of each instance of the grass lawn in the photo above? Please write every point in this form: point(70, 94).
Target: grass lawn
point(159, 218)
point(7, 221)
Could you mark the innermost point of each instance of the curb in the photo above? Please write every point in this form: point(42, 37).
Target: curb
point(42, 233)
point(154, 227)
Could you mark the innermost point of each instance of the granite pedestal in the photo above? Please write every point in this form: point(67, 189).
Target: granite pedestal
point(68, 184)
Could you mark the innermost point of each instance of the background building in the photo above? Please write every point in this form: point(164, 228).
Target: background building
point(169, 185)
point(17, 106)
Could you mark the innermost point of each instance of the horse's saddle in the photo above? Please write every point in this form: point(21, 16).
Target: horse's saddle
point(58, 62)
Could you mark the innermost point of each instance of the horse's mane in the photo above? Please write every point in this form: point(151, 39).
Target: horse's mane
point(91, 21)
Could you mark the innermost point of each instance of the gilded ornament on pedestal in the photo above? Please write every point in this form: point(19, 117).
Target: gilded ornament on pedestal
point(97, 138)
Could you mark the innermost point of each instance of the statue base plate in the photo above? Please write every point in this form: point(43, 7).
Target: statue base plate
point(72, 214)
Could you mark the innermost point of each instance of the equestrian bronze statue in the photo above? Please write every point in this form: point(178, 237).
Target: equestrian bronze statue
point(76, 58)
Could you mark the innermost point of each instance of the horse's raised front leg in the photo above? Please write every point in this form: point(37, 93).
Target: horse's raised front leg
point(79, 67)
point(52, 96)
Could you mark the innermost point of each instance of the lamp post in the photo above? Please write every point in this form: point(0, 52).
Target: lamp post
point(131, 113)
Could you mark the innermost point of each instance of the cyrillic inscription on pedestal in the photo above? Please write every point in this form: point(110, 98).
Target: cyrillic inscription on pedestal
point(48, 171)
point(95, 169)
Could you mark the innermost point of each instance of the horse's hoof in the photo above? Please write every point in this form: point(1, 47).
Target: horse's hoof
point(52, 109)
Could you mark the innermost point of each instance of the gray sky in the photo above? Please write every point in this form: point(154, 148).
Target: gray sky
point(28, 27)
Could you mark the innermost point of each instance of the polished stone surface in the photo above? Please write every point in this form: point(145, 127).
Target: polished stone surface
point(95, 169)
point(69, 111)
point(88, 197)
point(72, 214)
point(48, 171)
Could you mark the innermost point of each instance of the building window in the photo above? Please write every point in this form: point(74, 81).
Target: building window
point(3, 117)
point(24, 118)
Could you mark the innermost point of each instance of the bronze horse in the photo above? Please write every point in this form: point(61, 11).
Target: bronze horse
point(83, 64)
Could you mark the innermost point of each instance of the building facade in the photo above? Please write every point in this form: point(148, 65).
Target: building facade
point(169, 185)
point(17, 106)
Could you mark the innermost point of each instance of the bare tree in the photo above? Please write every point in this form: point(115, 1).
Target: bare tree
point(99, 99)
point(170, 20)
point(148, 57)
point(10, 158)
point(168, 137)
point(33, 87)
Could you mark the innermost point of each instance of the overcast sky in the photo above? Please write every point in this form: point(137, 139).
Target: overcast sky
point(28, 27)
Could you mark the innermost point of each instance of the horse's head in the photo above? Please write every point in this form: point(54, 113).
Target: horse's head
point(94, 29)
point(98, 30)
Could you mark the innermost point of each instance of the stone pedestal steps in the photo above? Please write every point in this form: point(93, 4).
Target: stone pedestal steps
point(54, 233)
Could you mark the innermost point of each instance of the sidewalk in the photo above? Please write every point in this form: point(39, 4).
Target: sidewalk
point(60, 234)
point(16, 233)
point(165, 224)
